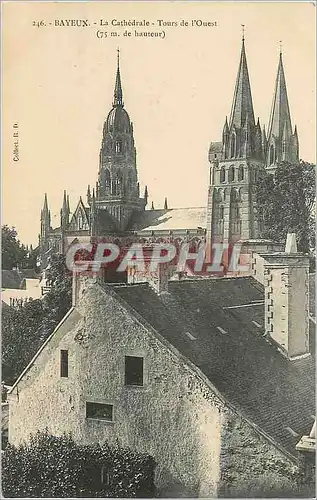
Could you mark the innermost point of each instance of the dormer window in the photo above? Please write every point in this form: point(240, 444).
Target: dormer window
point(118, 146)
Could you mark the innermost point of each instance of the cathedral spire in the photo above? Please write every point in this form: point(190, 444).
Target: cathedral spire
point(280, 118)
point(65, 211)
point(65, 204)
point(282, 144)
point(118, 96)
point(45, 218)
point(45, 206)
point(242, 100)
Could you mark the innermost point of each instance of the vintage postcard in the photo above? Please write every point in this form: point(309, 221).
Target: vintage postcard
point(158, 249)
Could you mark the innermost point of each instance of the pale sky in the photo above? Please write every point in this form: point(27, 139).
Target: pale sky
point(58, 86)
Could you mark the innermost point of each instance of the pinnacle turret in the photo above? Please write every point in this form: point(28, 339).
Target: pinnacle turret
point(118, 95)
point(65, 212)
point(45, 218)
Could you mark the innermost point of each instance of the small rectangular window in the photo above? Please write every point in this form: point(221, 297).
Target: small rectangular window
point(133, 370)
point(99, 411)
point(105, 478)
point(64, 363)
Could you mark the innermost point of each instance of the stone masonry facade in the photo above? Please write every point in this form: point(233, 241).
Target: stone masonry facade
point(201, 445)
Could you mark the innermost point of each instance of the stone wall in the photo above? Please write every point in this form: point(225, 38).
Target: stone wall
point(202, 448)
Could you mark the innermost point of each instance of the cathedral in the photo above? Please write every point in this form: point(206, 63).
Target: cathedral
point(116, 209)
point(214, 378)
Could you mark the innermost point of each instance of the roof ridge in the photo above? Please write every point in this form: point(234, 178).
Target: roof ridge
point(174, 208)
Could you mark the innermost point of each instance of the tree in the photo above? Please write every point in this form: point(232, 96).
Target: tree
point(50, 466)
point(58, 300)
point(13, 252)
point(285, 203)
point(24, 329)
point(21, 337)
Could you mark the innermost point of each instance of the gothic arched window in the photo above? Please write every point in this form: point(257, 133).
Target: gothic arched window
point(233, 146)
point(241, 173)
point(107, 178)
point(222, 174)
point(118, 146)
point(221, 213)
point(272, 154)
point(129, 182)
point(113, 186)
point(119, 182)
point(80, 220)
point(231, 174)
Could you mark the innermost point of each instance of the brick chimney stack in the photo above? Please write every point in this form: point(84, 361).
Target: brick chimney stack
point(286, 299)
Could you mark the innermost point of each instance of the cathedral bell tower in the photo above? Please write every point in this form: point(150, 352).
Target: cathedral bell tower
point(235, 164)
point(282, 143)
point(117, 189)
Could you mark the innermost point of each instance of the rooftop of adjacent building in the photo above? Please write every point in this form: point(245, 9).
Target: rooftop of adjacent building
point(218, 325)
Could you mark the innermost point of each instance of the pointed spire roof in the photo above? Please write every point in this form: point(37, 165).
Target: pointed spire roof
point(45, 206)
point(118, 95)
point(65, 205)
point(295, 131)
point(280, 119)
point(242, 100)
point(165, 204)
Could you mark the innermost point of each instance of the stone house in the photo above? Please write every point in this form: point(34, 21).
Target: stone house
point(116, 208)
point(193, 375)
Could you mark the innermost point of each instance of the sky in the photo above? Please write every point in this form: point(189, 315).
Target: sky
point(58, 86)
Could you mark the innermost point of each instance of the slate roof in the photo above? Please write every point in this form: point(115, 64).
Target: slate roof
point(105, 222)
point(271, 391)
point(170, 219)
point(15, 279)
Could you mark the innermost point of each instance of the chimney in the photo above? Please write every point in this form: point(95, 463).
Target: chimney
point(308, 443)
point(157, 278)
point(286, 299)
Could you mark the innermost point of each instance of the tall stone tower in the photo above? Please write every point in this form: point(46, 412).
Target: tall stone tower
point(235, 164)
point(45, 231)
point(282, 143)
point(117, 189)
